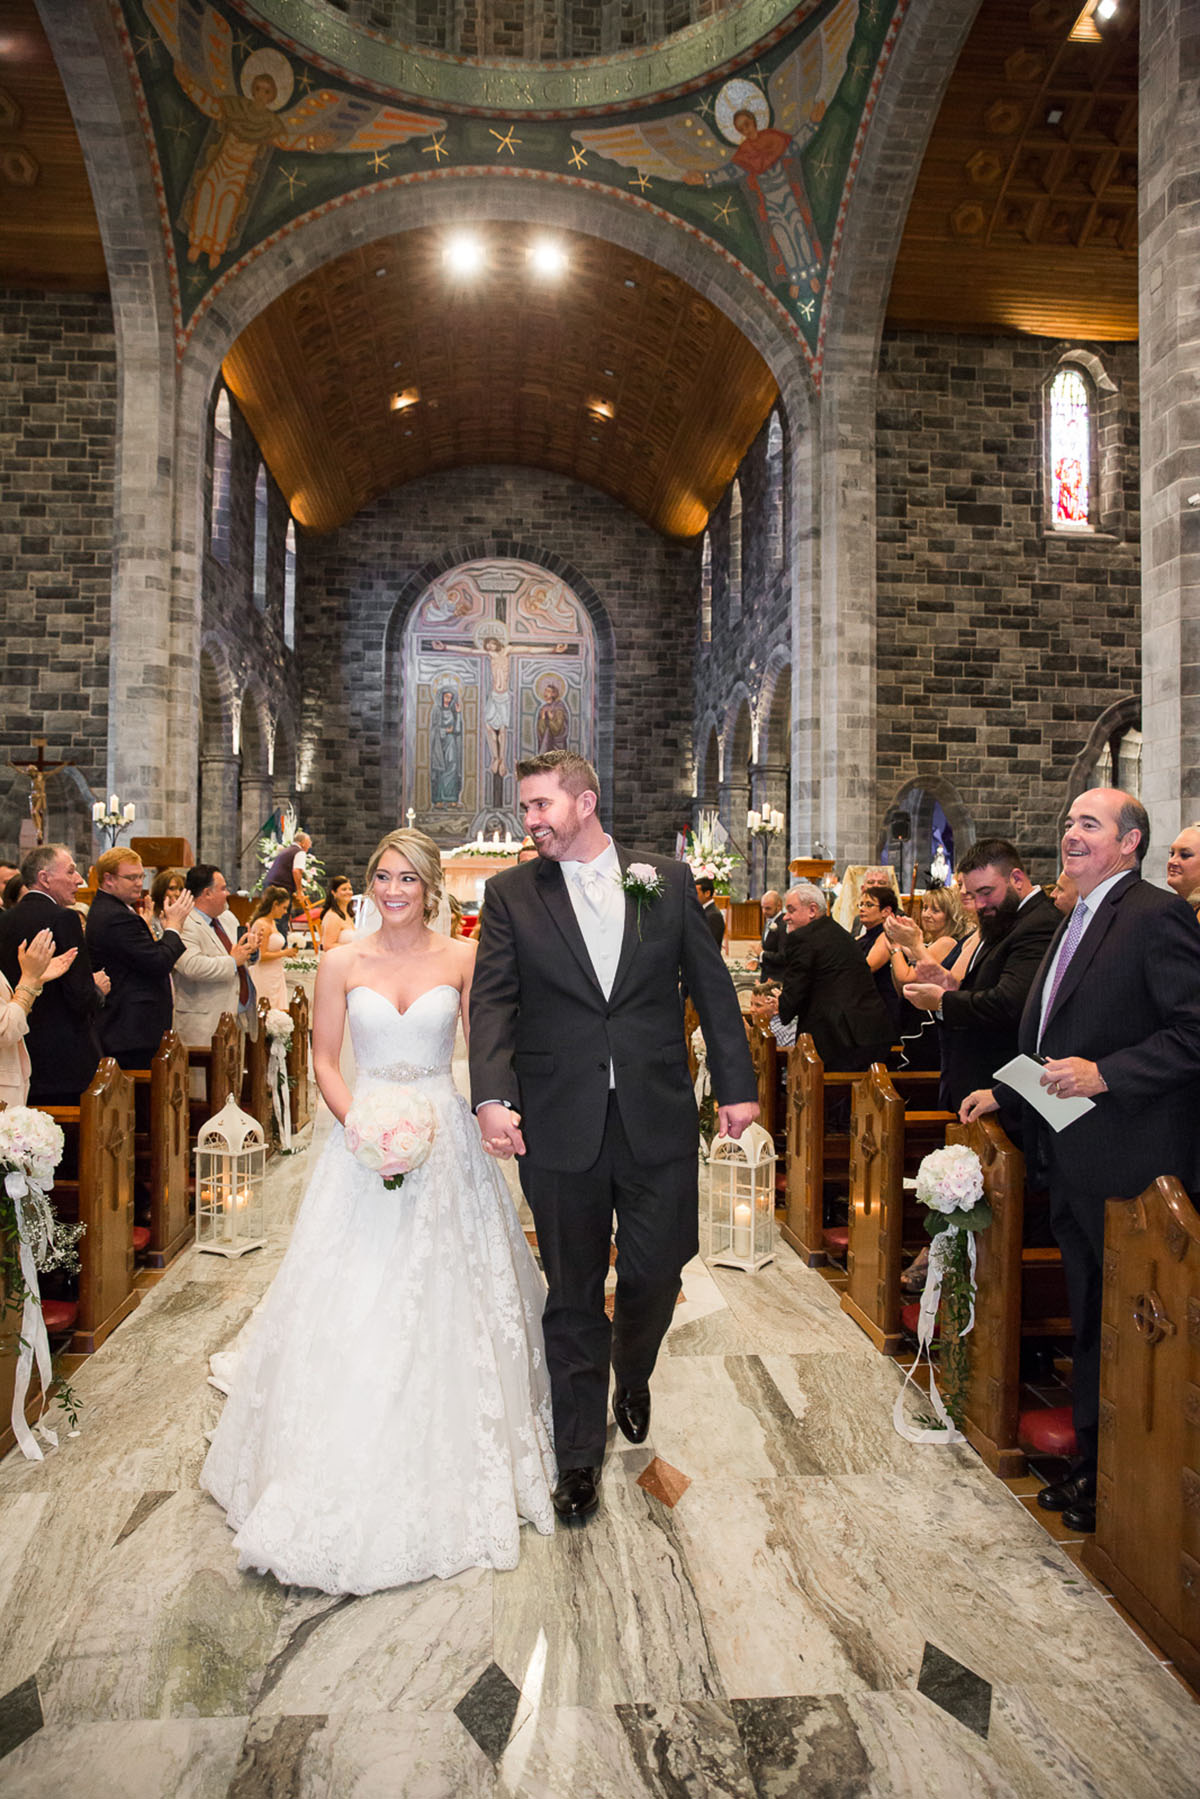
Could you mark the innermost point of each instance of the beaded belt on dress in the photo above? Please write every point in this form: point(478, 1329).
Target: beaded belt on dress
point(402, 1071)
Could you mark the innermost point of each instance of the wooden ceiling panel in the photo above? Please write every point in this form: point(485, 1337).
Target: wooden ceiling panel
point(509, 366)
point(49, 236)
point(1024, 216)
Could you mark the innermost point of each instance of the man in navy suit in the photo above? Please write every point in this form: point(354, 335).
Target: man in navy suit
point(120, 941)
point(1115, 1012)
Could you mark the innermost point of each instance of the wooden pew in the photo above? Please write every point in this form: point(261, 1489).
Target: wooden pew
point(1147, 1542)
point(887, 1143)
point(299, 1063)
point(1020, 1293)
point(764, 1053)
point(100, 1196)
point(162, 1158)
point(818, 1156)
point(255, 1093)
point(221, 1064)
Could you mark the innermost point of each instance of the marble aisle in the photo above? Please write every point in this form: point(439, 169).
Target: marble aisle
point(777, 1597)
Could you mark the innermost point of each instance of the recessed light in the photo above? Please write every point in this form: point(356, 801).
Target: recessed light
point(601, 409)
point(379, 272)
point(399, 362)
point(609, 373)
point(630, 283)
point(1106, 9)
point(402, 401)
point(547, 257)
point(464, 254)
point(1054, 115)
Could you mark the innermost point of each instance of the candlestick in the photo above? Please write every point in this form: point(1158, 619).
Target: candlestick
point(410, 815)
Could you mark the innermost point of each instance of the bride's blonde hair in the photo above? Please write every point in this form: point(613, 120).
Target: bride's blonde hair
point(423, 855)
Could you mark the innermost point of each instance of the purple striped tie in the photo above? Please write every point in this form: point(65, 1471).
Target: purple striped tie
point(1079, 918)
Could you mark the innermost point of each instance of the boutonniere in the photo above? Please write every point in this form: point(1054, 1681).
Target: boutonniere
point(645, 884)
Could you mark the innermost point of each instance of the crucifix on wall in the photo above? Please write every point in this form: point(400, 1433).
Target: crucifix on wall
point(37, 772)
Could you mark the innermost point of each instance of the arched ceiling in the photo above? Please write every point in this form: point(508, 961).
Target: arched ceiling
point(614, 372)
point(1025, 214)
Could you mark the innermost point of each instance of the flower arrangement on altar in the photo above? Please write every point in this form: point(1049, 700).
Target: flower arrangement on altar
point(391, 1132)
point(705, 854)
point(495, 845)
point(300, 961)
point(34, 1240)
point(949, 1185)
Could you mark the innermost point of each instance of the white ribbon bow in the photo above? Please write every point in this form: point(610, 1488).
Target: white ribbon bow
point(939, 1260)
point(277, 1081)
point(35, 1344)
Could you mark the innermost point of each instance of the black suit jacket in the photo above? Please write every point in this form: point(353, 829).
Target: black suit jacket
point(830, 992)
point(714, 918)
point(543, 1034)
point(981, 1019)
point(1130, 1002)
point(62, 1042)
point(139, 1007)
point(774, 949)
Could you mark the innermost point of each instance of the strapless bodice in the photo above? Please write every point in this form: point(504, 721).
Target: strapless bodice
point(402, 1046)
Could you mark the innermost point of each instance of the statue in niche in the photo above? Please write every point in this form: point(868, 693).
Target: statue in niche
point(248, 126)
point(446, 749)
point(553, 720)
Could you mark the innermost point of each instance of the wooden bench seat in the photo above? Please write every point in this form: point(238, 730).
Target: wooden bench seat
point(161, 1149)
point(97, 1191)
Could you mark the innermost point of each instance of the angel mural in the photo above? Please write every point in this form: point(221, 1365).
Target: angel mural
point(768, 132)
point(248, 125)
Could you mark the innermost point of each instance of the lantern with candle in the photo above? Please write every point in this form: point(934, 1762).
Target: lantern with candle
point(230, 1159)
point(740, 1202)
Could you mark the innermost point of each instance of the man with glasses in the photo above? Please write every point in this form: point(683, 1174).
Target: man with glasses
point(120, 941)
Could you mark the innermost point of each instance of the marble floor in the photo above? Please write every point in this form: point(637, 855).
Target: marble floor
point(777, 1597)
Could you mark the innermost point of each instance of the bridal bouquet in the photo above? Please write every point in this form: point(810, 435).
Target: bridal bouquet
point(391, 1132)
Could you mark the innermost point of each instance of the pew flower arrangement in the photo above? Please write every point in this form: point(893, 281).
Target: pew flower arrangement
point(391, 1132)
point(279, 1034)
point(949, 1184)
point(34, 1240)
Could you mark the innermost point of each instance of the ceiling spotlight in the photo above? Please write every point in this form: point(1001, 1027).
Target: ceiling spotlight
point(402, 401)
point(630, 283)
point(1106, 8)
point(464, 254)
point(601, 409)
point(547, 258)
point(380, 272)
point(1054, 115)
point(609, 373)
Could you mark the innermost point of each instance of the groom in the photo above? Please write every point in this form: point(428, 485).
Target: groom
point(579, 1067)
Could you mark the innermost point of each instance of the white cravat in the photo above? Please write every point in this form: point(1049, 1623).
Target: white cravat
point(599, 907)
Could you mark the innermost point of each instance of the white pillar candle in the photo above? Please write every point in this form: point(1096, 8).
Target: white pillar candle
point(97, 812)
point(741, 1229)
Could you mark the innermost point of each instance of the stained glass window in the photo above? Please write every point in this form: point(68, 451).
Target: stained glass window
point(706, 590)
point(222, 458)
point(775, 489)
point(1070, 451)
point(289, 585)
point(260, 539)
point(735, 553)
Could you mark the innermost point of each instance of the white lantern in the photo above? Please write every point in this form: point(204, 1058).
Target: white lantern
point(231, 1158)
point(741, 1200)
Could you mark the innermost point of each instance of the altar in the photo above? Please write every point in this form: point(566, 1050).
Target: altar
point(465, 870)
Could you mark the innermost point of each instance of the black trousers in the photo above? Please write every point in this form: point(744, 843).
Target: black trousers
point(1077, 1222)
point(657, 1232)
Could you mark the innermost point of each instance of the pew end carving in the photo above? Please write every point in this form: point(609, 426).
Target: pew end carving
point(100, 1196)
point(161, 1138)
point(299, 1063)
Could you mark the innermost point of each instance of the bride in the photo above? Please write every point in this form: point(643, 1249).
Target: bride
point(389, 1413)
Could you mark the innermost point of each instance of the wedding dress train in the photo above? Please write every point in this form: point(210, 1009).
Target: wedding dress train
point(389, 1414)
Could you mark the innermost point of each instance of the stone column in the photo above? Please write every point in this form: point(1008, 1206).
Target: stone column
point(257, 805)
point(732, 806)
point(218, 814)
point(1169, 320)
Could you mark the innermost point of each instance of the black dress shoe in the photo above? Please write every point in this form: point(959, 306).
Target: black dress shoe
point(631, 1409)
point(1081, 1517)
point(576, 1494)
point(1075, 1490)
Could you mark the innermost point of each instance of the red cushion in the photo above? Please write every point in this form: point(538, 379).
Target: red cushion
point(141, 1239)
point(1047, 1431)
point(836, 1238)
point(59, 1315)
point(909, 1316)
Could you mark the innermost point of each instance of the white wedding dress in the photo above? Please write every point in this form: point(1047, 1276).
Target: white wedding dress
point(388, 1415)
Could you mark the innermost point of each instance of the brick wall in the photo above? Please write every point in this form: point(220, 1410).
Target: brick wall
point(58, 396)
point(999, 643)
point(349, 584)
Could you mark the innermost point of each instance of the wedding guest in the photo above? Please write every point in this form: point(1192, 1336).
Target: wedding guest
point(1183, 866)
point(774, 936)
point(528, 850)
point(874, 906)
point(939, 938)
point(7, 871)
point(39, 965)
point(269, 946)
point(62, 1042)
point(1064, 893)
point(14, 887)
point(714, 918)
point(210, 976)
point(139, 1007)
point(337, 925)
point(287, 871)
point(827, 989)
point(167, 884)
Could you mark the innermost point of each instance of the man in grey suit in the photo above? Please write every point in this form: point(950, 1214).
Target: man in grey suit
point(1115, 1012)
point(579, 1067)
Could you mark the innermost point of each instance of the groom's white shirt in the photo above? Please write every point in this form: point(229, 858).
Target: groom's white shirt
point(600, 914)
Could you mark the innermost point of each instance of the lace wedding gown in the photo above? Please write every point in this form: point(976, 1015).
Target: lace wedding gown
point(389, 1410)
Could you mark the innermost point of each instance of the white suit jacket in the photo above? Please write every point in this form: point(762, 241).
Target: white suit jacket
point(205, 977)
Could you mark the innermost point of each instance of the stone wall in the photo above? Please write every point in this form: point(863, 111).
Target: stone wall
point(350, 583)
point(58, 398)
point(1000, 642)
